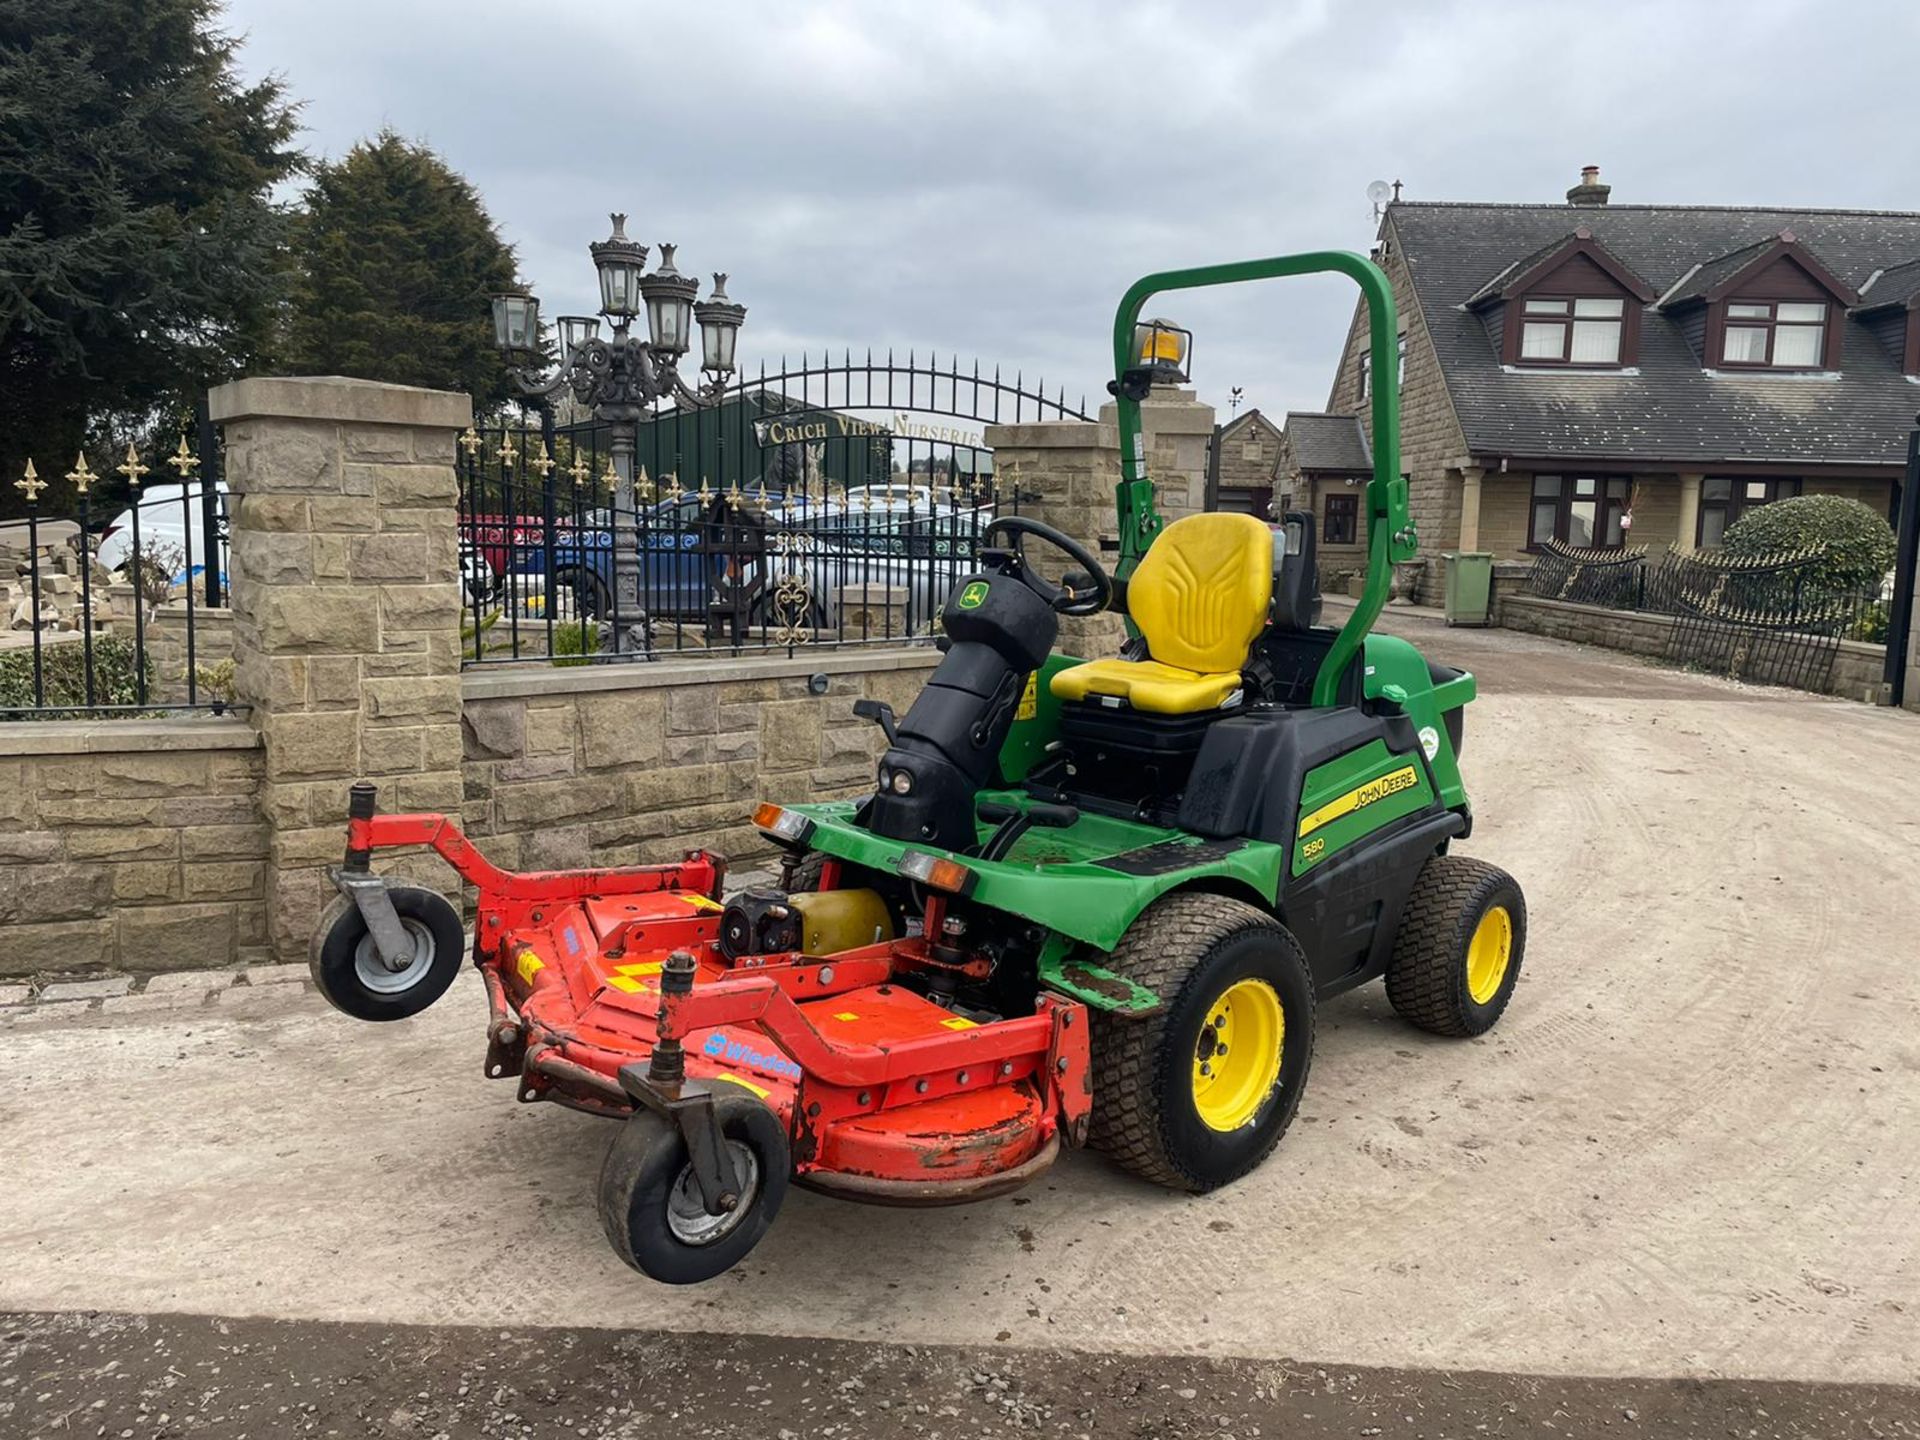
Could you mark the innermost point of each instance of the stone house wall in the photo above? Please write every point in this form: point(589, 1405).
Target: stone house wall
point(134, 844)
point(1432, 444)
point(1250, 458)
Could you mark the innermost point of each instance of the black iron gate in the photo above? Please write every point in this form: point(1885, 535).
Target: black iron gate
point(821, 504)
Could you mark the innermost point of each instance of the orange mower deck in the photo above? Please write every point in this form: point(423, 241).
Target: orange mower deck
point(884, 1095)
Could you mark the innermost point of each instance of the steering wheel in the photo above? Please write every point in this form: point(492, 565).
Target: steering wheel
point(1063, 599)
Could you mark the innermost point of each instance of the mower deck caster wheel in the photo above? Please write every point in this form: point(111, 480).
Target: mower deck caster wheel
point(650, 1203)
point(348, 969)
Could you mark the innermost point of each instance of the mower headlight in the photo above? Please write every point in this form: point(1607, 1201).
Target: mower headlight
point(901, 783)
point(936, 871)
point(783, 825)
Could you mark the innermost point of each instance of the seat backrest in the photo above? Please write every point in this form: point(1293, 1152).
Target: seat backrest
point(1296, 585)
point(1200, 594)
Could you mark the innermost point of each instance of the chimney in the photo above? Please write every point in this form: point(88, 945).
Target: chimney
point(1589, 191)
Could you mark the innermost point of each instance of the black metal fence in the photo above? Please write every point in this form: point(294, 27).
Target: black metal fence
point(823, 505)
point(1768, 617)
point(107, 579)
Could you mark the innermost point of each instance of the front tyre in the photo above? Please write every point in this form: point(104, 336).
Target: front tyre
point(650, 1203)
point(1457, 955)
point(1196, 1096)
point(347, 967)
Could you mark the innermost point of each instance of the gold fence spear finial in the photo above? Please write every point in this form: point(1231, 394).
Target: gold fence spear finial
point(183, 460)
point(30, 484)
point(131, 467)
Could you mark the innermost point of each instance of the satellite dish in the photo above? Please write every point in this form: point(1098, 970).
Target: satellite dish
point(1379, 192)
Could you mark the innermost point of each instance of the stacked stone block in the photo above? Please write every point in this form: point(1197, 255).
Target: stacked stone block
point(346, 605)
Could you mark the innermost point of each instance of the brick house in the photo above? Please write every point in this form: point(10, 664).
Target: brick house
point(1328, 462)
point(1601, 373)
point(1249, 466)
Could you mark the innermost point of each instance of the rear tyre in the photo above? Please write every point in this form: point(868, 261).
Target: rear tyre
point(1196, 1096)
point(1457, 955)
point(650, 1204)
point(347, 968)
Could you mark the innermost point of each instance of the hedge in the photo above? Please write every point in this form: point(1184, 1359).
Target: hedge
point(1856, 543)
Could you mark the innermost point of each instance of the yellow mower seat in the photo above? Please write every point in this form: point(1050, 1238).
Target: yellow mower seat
point(1199, 597)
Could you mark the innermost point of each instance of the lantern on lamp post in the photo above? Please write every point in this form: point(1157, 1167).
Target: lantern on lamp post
point(621, 377)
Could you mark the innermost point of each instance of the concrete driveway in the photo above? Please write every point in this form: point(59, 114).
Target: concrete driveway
point(1689, 1149)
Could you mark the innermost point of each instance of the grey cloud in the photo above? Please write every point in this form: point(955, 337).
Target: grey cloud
point(985, 178)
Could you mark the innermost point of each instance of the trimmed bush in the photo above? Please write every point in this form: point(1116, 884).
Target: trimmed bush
point(1857, 544)
point(64, 674)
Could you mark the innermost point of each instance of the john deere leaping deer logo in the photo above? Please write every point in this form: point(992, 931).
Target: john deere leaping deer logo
point(974, 596)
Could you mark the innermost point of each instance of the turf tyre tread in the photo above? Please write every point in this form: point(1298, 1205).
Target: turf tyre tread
point(1426, 978)
point(1160, 952)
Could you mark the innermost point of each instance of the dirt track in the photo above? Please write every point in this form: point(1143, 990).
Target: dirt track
point(1688, 1151)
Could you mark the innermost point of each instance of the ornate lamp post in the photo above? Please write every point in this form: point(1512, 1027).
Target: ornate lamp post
point(621, 377)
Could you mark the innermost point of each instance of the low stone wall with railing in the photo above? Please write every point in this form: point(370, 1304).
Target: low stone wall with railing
point(1855, 671)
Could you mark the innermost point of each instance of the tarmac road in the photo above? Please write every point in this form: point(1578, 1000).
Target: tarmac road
point(1688, 1151)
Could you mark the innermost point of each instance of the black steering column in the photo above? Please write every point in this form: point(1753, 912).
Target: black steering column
point(1001, 623)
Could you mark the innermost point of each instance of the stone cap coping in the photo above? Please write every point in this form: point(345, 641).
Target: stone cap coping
point(335, 397)
point(121, 737)
point(1054, 435)
point(500, 683)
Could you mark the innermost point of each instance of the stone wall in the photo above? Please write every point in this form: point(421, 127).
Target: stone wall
point(1857, 667)
point(135, 844)
point(641, 763)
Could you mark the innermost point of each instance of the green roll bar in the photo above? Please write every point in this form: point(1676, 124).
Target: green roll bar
point(1390, 533)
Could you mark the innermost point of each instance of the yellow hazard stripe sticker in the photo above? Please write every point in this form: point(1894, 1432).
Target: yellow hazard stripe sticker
point(651, 967)
point(701, 902)
point(626, 984)
point(731, 1078)
point(958, 1022)
point(1361, 796)
point(528, 966)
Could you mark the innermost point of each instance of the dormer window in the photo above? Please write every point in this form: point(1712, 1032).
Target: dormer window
point(1571, 303)
point(1578, 330)
point(1777, 335)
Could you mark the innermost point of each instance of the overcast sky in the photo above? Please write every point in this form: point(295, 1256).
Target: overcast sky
point(987, 178)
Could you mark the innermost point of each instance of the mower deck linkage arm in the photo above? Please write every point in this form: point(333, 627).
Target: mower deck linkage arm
point(1390, 533)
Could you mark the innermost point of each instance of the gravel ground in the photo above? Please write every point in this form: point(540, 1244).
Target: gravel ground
point(1680, 1153)
point(155, 1378)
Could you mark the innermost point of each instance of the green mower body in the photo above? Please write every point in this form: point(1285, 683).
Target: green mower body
point(1320, 810)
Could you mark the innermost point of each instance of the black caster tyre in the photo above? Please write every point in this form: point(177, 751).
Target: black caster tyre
point(650, 1203)
point(1457, 955)
point(1198, 1095)
point(348, 970)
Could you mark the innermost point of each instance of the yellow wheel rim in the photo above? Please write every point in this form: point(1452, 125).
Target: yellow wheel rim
point(1488, 954)
point(1236, 1062)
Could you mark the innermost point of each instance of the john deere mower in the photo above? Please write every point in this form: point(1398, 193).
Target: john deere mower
point(1087, 902)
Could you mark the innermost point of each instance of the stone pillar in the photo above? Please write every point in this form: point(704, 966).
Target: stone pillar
point(1689, 521)
point(1177, 427)
point(1470, 478)
point(345, 568)
point(1063, 473)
